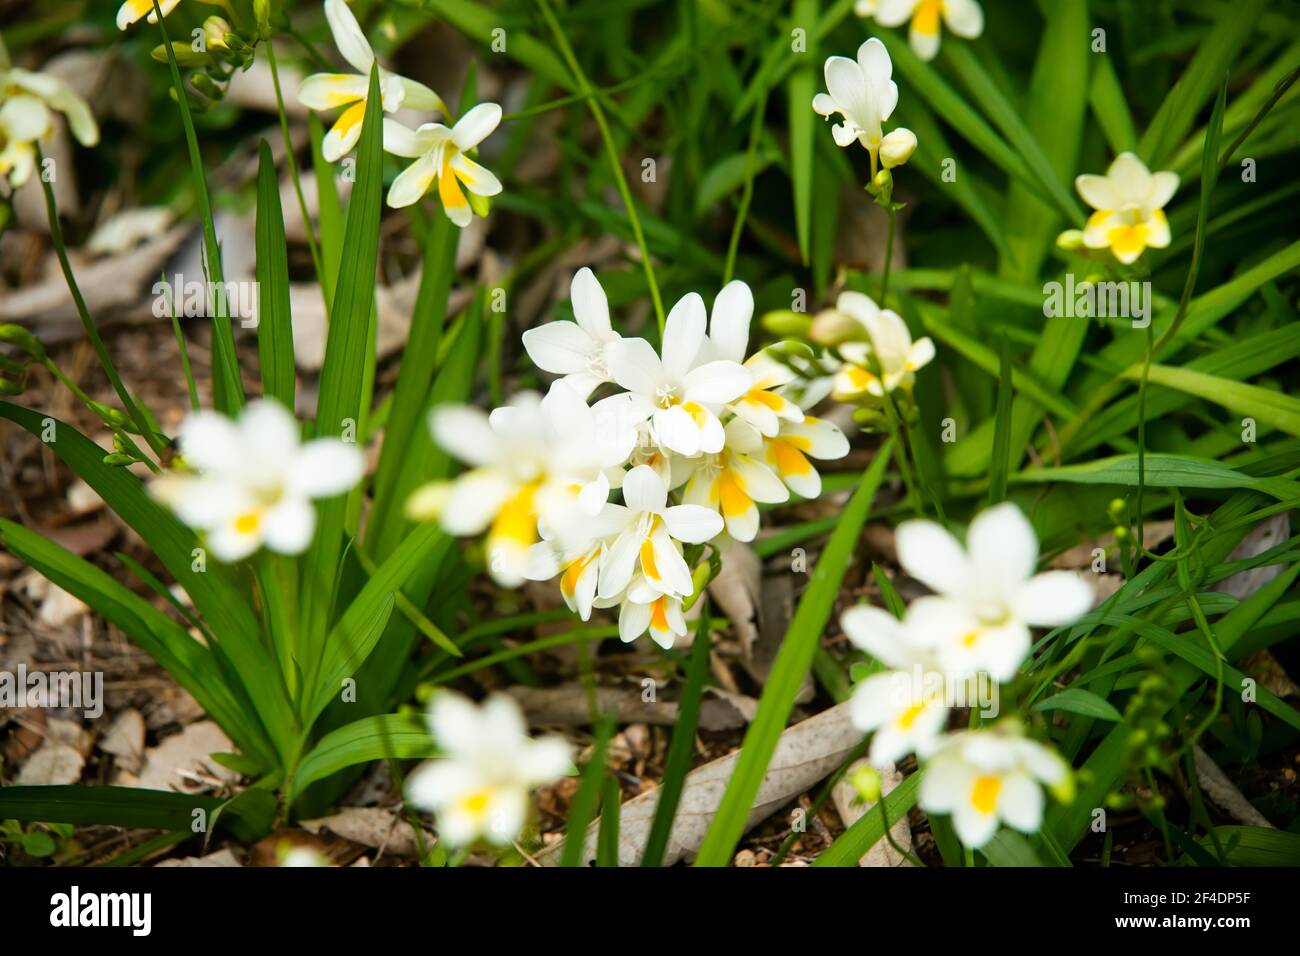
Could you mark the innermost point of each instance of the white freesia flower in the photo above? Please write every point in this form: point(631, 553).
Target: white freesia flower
point(16, 82)
point(327, 91)
point(787, 454)
point(988, 777)
point(864, 95)
point(255, 480)
point(986, 594)
point(534, 459)
point(761, 405)
point(440, 154)
point(480, 787)
point(648, 538)
point(890, 344)
point(731, 481)
point(965, 18)
point(576, 349)
point(644, 608)
point(1129, 202)
point(131, 11)
point(23, 120)
point(906, 707)
point(681, 396)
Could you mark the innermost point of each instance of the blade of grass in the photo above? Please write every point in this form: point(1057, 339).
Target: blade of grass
point(791, 664)
point(274, 321)
point(583, 807)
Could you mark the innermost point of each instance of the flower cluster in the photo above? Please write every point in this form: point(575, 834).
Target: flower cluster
point(698, 421)
point(864, 95)
point(27, 101)
point(250, 482)
point(965, 18)
point(479, 787)
point(440, 154)
point(870, 350)
point(974, 627)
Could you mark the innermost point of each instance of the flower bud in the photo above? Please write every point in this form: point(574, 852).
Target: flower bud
point(214, 33)
point(19, 337)
point(866, 780)
point(786, 322)
point(185, 54)
point(833, 327)
point(882, 182)
point(897, 147)
point(1070, 240)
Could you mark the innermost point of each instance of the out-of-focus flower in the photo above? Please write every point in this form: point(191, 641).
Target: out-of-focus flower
point(480, 788)
point(986, 594)
point(327, 91)
point(681, 397)
point(440, 155)
point(1129, 202)
point(23, 120)
point(965, 18)
point(16, 82)
point(254, 480)
point(988, 777)
point(131, 11)
point(890, 344)
point(576, 349)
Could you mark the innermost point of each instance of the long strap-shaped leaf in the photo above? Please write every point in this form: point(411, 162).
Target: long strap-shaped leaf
point(338, 409)
point(384, 737)
point(214, 594)
point(792, 663)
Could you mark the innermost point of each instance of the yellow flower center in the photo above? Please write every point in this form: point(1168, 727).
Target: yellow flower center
point(248, 522)
point(984, 794)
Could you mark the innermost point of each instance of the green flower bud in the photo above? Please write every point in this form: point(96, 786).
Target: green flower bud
point(18, 336)
point(785, 322)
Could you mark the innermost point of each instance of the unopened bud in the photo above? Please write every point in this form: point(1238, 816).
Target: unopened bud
point(185, 54)
point(897, 147)
point(215, 30)
point(18, 336)
point(866, 781)
point(1070, 240)
point(785, 322)
point(833, 327)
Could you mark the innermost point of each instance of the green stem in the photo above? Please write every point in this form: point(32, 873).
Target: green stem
point(611, 151)
point(293, 163)
point(747, 193)
point(92, 332)
point(889, 253)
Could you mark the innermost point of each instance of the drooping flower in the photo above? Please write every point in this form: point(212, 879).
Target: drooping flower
point(649, 536)
point(864, 95)
point(905, 707)
point(681, 397)
point(986, 595)
point(23, 120)
point(327, 91)
point(576, 349)
point(480, 787)
point(731, 481)
point(644, 608)
point(440, 154)
point(988, 777)
point(57, 95)
point(965, 18)
point(254, 480)
point(132, 10)
point(1129, 202)
point(787, 454)
point(889, 343)
point(534, 459)
point(761, 405)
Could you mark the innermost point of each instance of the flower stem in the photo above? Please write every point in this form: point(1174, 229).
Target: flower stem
point(889, 253)
point(293, 164)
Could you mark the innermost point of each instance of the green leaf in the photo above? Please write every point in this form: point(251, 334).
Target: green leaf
point(38, 843)
point(1265, 405)
point(1009, 848)
point(583, 807)
point(339, 407)
point(607, 838)
point(480, 21)
point(799, 100)
point(383, 737)
point(869, 829)
point(1076, 700)
point(104, 806)
point(1257, 846)
point(727, 175)
point(788, 670)
point(274, 321)
point(1162, 471)
point(678, 763)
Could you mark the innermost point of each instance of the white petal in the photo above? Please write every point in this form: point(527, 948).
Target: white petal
point(717, 383)
point(1163, 187)
point(562, 348)
point(879, 633)
point(289, 526)
point(733, 310)
point(474, 501)
point(1053, 598)
point(1130, 178)
point(824, 104)
point(635, 365)
point(644, 490)
point(677, 431)
point(965, 18)
point(693, 524)
point(479, 180)
point(618, 563)
point(476, 125)
point(893, 13)
point(1003, 549)
point(352, 43)
point(402, 140)
point(934, 557)
point(326, 91)
point(326, 466)
point(465, 433)
point(1097, 191)
point(683, 335)
point(590, 305)
point(1020, 802)
point(412, 183)
point(633, 619)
